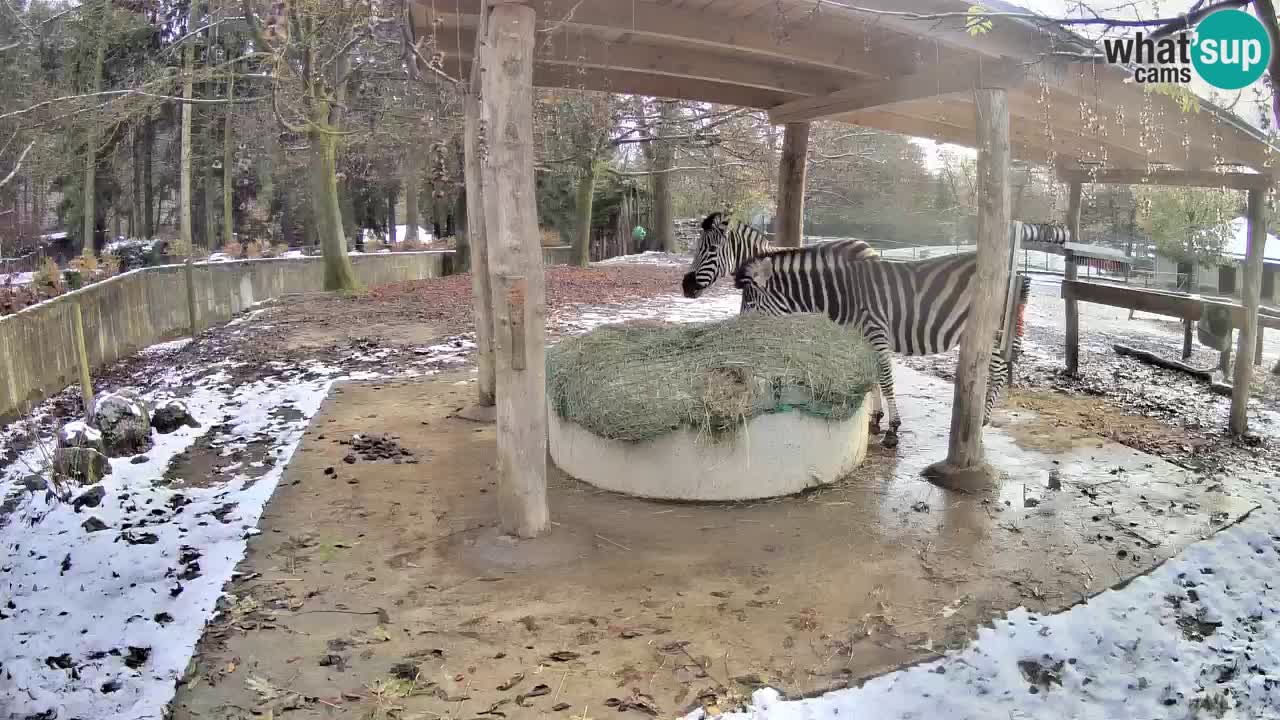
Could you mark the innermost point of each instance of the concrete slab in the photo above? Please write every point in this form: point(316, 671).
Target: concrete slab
point(771, 456)
point(380, 572)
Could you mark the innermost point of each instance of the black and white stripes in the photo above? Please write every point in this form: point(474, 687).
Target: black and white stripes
point(916, 307)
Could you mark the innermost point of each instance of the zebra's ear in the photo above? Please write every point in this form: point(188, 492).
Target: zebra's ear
point(759, 270)
point(711, 221)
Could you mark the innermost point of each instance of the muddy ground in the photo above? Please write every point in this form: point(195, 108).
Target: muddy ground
point(342, 544)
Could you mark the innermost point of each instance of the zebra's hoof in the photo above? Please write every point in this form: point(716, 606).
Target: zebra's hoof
point(890, 440)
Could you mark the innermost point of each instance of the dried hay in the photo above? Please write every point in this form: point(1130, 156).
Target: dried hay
point(636, 381)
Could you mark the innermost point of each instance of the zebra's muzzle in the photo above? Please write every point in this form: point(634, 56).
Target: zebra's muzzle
point(690, 286)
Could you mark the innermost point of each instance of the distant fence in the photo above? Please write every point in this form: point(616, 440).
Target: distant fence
point(128, 312)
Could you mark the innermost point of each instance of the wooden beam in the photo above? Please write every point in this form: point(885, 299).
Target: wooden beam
point(1071, 272)
point(672, 88)
point(1180, 178)
point(964, 467)
point(1250, 295)
point(1183, 307)
point(690, 62)
point(931, 82)
point(516, 276)
point(792, 168)
point(810, 44)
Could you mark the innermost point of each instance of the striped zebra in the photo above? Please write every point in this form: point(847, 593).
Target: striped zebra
point(912, 307)
point(724, 245)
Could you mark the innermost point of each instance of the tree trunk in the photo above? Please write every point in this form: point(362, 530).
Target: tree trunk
point(135, 210)
point(585, 198)
point(91, 139)
point(148, 187)
point(210, 190)
point(391, 216)
point(462, 234)
point(185, 238)
point(410, 185)
point(228, 175)
point(327, 217)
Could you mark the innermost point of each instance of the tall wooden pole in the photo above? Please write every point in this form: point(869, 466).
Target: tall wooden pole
point(515, 262)
point(1073, 308)
point(82, 357)
point(964, 467)
point(1250, 296)
point(792, 168)
point(477, 249)
point(478, 253)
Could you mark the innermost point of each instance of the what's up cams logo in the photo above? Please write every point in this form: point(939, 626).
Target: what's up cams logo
point(1229, 49)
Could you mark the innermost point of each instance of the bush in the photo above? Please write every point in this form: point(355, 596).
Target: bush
point(256, 249)
point(48, 278)
point(551, 237)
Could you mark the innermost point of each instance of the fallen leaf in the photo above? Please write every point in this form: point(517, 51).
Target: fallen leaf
point(515, 680)
point(564, 655)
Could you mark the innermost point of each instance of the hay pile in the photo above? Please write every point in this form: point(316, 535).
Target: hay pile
point(640, 380)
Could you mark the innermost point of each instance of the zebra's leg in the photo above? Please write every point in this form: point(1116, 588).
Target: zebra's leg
point(877, 410)
point(885, 359)
point(997, 377)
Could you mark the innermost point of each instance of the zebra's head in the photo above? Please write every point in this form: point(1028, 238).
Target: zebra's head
point(711, 257)
point(752, 278)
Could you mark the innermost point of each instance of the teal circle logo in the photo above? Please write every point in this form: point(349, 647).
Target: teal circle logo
point(1231, 49)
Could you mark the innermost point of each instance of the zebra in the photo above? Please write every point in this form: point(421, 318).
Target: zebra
point(913, 307)
point(724, 245)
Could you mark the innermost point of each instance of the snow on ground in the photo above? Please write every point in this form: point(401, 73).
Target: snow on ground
point(648, 257)
point(105, 597)
point(1198, 637)
point(21, 278)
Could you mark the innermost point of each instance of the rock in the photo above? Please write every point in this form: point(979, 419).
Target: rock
point(35, 483)
point(93, 524)
point(78, 434)
point(90, 498)
point(81, 465)
point(124, 422)
point(171, 415)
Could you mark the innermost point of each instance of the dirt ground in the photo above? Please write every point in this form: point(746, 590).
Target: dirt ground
point(380, 588)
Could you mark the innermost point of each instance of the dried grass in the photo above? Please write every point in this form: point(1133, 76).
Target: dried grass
point(638, 381)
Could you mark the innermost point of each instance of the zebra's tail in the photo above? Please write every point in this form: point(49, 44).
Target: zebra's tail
point(1043, 233)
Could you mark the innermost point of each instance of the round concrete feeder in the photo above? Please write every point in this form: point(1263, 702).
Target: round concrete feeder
point(773, 455)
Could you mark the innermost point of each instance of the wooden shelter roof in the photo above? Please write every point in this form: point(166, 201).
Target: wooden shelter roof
point(810, 59)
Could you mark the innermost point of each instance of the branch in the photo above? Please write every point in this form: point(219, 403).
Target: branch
point(17, 165)
point(1266, 12)
point(1176, 23)
point(642, 173)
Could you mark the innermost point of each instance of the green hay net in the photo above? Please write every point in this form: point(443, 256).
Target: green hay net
point(636, 381)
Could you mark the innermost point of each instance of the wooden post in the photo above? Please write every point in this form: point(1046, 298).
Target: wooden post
point(1250, 296)
point(82, 354)
point(964, 467)
point(516, 274)
point(481, 297)
point(1070, 273)
point(192, 315)
point(1257, 349)
point(792, 168)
